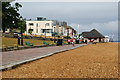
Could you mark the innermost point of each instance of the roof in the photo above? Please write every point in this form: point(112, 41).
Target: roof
point(69, 27)
point(92, 34)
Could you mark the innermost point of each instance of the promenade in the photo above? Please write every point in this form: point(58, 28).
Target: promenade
point(12, 58)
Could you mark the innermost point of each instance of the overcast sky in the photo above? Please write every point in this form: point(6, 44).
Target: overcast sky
point(99, 15)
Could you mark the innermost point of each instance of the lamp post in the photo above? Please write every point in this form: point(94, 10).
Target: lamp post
point(17, 34)
point(61, 32)
point(21, 33)
point(54, 34)
point(73, 33)
point(67, 32)
point(78, 30)
point(45, 30)
point(13, 22)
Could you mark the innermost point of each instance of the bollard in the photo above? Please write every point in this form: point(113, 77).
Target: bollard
point(18, 40)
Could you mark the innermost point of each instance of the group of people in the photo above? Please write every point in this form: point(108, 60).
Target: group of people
point(71, 41)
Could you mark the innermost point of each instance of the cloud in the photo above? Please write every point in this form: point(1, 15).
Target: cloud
point(108, 28)
point(81, 12)
point(98, 15)
point(67, 0)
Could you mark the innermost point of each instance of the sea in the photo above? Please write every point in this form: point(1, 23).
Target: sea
point(117, 41)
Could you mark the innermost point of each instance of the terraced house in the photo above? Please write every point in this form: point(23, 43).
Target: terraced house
point(45, 27)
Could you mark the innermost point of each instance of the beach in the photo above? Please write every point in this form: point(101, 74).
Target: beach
point(92, 61)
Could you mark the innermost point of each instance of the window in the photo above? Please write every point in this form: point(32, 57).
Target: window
point(46, 30)
point(43, 30)
point(53, 24)
point(47, 24)
point(30, 24)
point(36, 29)
point(30, 31)
point(37, 24)
point(49, 31)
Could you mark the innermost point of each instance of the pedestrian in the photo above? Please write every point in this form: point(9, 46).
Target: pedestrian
point(69, 41)
point(86, 41)
point(73, 42)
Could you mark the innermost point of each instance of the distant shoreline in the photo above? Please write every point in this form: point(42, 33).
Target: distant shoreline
point(117, 41)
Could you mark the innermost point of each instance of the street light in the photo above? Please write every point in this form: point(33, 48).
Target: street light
point(54, 34)
point(13, 22)
point(45, 30)
point(13, 25)
point(18, 34)
point(21, 32)
point(73, 33)
point(67, 32)
point(78, 30)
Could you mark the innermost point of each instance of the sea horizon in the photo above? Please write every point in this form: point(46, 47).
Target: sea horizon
point(117, 41)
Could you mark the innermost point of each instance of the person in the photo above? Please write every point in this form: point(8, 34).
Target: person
point(86, 41)
point(69, 41)
point(73, 42)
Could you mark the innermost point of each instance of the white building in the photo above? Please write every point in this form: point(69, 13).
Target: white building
point(107, 39)
point(39, 27)
point(46, 27)
point(70, 32)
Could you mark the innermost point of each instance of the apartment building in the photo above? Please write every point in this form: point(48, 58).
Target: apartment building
point(45, 27)
point(39, 27)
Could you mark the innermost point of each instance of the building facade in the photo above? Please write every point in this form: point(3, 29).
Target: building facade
point(39, 28)
point(44, 27)
point(93, 35)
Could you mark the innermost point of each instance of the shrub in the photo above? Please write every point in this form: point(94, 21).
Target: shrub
point(67, 37)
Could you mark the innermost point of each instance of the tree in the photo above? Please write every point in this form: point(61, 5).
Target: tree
point(10, 15)
point(67, 37)
point(30, 31)
point(23, 24)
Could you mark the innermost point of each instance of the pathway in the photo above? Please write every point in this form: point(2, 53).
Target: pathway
point(12, 58)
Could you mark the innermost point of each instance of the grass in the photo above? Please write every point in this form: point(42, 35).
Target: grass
point(13, 41)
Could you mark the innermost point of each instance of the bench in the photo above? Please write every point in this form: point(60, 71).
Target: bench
point(45, 43)
point(29, 44)
point(64, 43)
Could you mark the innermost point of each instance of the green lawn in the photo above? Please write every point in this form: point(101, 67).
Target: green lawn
point(13, 41)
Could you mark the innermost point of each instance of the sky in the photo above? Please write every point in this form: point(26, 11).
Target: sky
point(65, 0)
point(102, 16)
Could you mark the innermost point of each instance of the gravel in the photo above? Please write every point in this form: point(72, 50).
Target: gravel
point(92, 61)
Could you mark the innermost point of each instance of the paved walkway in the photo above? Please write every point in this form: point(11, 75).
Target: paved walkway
point(12, 58)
